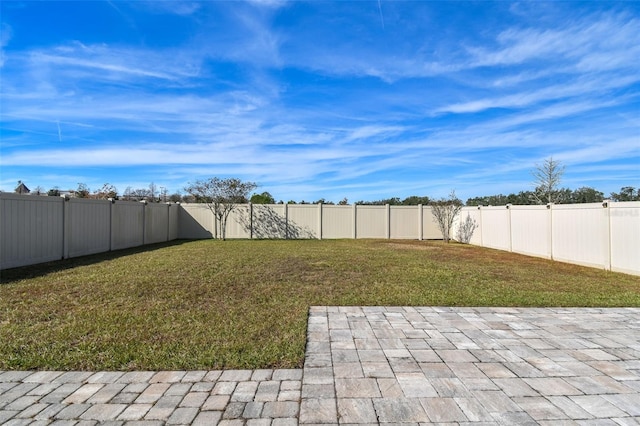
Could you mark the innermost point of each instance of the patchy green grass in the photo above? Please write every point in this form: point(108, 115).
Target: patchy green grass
point(243, 304)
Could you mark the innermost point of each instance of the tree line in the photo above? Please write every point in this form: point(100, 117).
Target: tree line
point(160, 195)
point(547, 177)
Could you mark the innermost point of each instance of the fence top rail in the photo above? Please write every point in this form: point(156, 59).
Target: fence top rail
point(529, 207)
point(28, 197)
point(584, 206)
point(624, 204)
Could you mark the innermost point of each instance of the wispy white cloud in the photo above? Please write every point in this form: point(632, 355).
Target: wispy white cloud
point(576, 42)
point(327, 106)
point(115, 63)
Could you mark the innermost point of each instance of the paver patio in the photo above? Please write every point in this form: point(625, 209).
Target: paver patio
point(372, 365)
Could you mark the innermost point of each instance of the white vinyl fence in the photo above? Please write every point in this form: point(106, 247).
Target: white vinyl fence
point(322, 221)
point(36, 229)
point(602, 235)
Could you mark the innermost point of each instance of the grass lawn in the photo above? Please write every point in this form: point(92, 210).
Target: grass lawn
point(243, 304)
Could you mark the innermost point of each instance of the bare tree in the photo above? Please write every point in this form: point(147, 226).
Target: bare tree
point(128, 193)
point(83, 191)
point(445, 211)
point(163, 194)
point(547, 177)
point(221, 197)
point(107, 191)
point(152, 192)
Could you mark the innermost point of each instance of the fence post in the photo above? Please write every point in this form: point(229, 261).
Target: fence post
point(144, 221)
point(168, 221)
point(607, 244)
point(251, 221)
point(480, 226)
point(508, 206)
point(550, 208)
point(388, 219)
point(111, 207)
point(286, 221)
point(355, 221)
point(66, 230)
point(319, 221)
point(420, 222)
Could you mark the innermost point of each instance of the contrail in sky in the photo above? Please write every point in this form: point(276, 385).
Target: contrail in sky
point(59, 132)
point(381, 17)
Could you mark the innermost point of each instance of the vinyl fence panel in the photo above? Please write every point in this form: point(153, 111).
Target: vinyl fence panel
point(174, 223)
point(239, 222)
point(127, 224)
point(372, 222)
point(31, 229)
point(196, 222)
point(404, 222)
point(581, 234)
point(531, 230)
point(304, 221)
point(88, 226)
point(337, 221)
point(496, 229)
point(156, 223)
point(625, 237)
point(269, 221)
point(430, 228)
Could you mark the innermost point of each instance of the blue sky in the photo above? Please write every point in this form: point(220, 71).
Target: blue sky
point(358, 99)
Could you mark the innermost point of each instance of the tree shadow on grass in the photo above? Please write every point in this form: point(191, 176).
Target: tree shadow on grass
point(33, 271)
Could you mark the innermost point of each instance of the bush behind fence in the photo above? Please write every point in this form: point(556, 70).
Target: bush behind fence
point(39, 229)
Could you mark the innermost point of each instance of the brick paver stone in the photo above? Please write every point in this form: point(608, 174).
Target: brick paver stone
point(194, 399)
point(357, 388)
point(107, 393)
point(135, 412)
point(281, 409)
point(105, 377)
point(356, 410)
point(31, 411)
point(21, 403)
point(103, 412)
point(73, 411)
point(443, 410)
point(182, 416)
point(207, 418)
point(321, 410)
point(42, 376)
point(83, 393)
point(78, 377)
point(216, 402)
point(252, 410)
point(403, 410)
point(415, 385)
point(597, 406)
point(234, 410)
point(267, 391)
point(152, 393)
point(235, 376)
